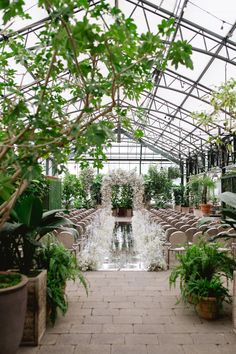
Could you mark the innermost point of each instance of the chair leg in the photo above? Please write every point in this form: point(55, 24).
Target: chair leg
point(168, 258)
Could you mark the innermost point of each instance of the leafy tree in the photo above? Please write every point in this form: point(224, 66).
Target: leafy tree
point(222, 98)
point(71, 189)
point(173, 172)
point(157, 185)
point(96, 189)
point(83, 56)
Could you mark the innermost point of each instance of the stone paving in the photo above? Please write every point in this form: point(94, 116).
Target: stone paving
point(133, 313)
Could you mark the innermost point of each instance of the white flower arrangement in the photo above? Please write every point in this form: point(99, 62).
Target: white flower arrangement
point(149, 239)
point(122, 177)
point(87, 176)
point(99, 239)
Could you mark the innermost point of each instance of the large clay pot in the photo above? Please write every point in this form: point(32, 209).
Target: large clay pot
point(205, 209)
point(13, 302)
point(208, 308)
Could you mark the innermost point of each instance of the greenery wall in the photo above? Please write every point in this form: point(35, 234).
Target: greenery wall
point(53, 198)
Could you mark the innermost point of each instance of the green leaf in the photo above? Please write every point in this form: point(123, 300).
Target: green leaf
point(138, 133)
point(228, 198)
point(29, 211)
point(4, 4)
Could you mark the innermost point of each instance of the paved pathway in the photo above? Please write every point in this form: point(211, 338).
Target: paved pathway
point(133, 313)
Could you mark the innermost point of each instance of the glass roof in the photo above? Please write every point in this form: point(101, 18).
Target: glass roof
point(209, 26)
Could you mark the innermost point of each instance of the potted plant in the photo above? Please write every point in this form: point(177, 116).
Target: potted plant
point(122, 200)
point(158, 186)
point(126, 200)
point(207, 184)
point(200, 271)
point(61, 266)
point(199, 187)
point(178, 192)
point(13, 300)
point(19, 239)
point(185, 204)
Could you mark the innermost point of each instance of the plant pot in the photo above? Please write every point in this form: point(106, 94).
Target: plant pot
point(185, 210)
point(13, 302)
point(129, 212)
point(115, 212)
point(35, 320)
point(197, 212)
point(234, 302)
point(208, 308)
point(178, 207)
point(205, 209)
point(122, 212)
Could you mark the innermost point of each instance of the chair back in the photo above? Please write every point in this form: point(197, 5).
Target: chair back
point(190, 232)
point(177, 238)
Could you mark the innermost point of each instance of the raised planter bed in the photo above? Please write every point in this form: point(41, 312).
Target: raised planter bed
point(35, 320)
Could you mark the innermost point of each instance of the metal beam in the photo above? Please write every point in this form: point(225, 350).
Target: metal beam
point(155, 149)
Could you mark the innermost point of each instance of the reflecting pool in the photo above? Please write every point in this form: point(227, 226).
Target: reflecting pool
point(122, 254)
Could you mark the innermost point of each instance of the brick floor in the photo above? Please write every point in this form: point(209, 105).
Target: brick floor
point(133, 312)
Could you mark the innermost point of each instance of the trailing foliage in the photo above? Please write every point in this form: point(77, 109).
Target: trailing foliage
point(61, 266)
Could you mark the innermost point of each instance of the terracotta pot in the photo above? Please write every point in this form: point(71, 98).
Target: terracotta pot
point(205, 208)
point(208, 308)
point(13, 302)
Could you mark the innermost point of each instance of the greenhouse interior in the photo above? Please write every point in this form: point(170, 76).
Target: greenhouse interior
point(117, 177)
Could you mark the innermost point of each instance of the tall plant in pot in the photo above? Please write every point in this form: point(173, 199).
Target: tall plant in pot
point(200, 188)
point(207, 185)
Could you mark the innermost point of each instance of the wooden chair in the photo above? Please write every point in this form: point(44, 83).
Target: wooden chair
point(190, 233)
point(177, 243)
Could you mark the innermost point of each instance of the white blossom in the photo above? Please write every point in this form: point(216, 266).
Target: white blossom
point(122, 177)
point(99, 239)
point(149, 239)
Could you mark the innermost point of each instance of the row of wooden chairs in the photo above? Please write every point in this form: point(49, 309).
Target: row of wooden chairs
point(75, 238)
point(181, 229)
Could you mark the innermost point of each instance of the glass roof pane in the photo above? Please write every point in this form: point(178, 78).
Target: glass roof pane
point(179, 92)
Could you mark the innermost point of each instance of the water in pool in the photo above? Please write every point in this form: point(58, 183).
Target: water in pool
point(122, 255)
